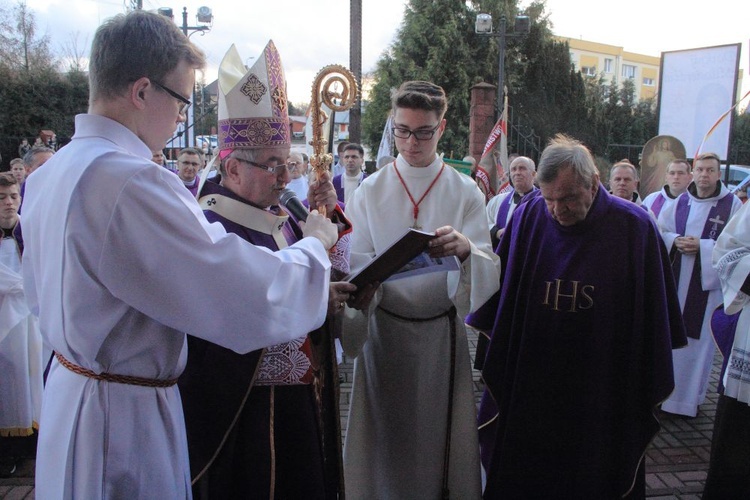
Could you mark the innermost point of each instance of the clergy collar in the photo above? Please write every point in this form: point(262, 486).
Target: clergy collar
point(223, 202)
point(669, 194)
point(7, 232)
point(352, 177)
point(693, 190)
point(634, 198)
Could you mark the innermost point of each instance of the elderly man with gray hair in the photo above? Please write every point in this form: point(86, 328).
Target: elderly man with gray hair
point(499, 209)
point(580, 349)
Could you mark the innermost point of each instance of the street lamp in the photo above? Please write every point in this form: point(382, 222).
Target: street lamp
point(483, 27)
point(204, 21)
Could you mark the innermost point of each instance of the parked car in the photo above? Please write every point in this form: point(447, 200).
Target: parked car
point(737, 174)
point(207, 143)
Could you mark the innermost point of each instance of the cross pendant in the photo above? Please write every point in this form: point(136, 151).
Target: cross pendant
point(415, 225)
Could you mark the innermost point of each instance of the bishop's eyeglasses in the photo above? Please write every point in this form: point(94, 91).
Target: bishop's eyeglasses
point(275, 169)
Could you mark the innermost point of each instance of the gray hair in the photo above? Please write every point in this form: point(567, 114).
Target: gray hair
point(524, 159)
point(564, 152)
point(240, 154)
point(28, 158)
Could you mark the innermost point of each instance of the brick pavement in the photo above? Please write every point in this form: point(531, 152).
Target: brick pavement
point(676, 461)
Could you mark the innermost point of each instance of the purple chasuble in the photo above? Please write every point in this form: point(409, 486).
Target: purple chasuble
point(230, 414)
point(216, 380)
point(697, 298)
point(580, 352)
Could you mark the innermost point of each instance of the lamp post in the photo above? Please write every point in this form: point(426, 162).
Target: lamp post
point(204, 21)
point(483, 27)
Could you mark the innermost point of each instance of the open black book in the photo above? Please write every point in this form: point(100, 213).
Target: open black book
point(401, 252)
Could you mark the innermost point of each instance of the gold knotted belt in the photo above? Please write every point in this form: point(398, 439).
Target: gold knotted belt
point(111, 377)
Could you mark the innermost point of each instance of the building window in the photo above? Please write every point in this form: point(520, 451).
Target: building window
point(628, 71)
point(589, 70)
point(648, 82)
point(608, 65)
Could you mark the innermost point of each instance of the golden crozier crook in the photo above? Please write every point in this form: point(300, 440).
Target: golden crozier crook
point(325, 90)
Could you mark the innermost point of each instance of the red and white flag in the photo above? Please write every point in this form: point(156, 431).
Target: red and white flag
point(491, 168)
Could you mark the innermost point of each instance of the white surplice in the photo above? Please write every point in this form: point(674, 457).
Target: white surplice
point(300, 186)
point(731, 259)
point(396, 434)
point(692, 364)
point(651, 199)
point(119, 264)
point(22, 356)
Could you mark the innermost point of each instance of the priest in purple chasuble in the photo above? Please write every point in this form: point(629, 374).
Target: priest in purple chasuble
point(690, 227)
point(582, 332)
point(264, 424)
point(500, 208)
point(412, 419)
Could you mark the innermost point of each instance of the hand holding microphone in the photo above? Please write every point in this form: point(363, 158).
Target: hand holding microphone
point(312, 223)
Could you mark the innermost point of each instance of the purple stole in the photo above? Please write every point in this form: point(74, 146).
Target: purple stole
point(724, 327)
point(338, 186)
point(697, 298)
point(502, 212)
point(658, 204)
point(504, 208)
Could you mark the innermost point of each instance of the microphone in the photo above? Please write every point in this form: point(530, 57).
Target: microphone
point(291, 203)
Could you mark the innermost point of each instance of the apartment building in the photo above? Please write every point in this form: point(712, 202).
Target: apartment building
point(594, 59)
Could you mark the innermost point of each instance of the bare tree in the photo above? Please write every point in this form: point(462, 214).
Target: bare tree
point(74, 53)
point(21, 49)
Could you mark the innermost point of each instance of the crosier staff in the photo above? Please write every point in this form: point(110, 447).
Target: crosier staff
point(336, 87)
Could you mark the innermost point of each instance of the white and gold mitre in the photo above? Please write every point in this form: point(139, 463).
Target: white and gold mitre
point(253, 110)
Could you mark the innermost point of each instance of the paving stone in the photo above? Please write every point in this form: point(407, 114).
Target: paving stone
point(18, 493)
point(691, 434)
point(653, 482)
point(669, 479)
point(693, 475)
point(692, 443)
